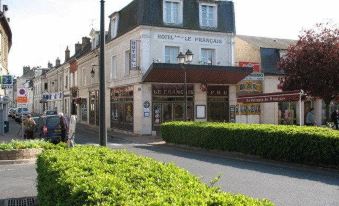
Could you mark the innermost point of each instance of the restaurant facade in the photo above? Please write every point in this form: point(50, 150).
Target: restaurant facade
point(146, 84)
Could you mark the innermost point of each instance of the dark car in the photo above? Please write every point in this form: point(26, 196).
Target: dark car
point(50, 128)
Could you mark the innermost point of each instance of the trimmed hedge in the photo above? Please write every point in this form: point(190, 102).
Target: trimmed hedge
point(308, 145)
point(29, 144)
point(92, 175)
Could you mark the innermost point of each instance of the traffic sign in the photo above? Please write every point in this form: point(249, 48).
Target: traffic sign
point(22, 92)
point(7, 80)
point(21, 100)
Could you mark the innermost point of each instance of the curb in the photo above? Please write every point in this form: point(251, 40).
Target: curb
point(21, 161)
point(252, 158)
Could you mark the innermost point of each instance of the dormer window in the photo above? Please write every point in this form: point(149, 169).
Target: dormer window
point(172, 12)
point(114, 26)
point(208, 15)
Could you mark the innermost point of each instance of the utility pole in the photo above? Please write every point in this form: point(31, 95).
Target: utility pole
point(102, 115)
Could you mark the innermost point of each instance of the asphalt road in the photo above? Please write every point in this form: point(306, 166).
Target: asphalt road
point(285, 185)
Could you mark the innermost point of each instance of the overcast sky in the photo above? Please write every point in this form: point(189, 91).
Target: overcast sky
point(43, 28)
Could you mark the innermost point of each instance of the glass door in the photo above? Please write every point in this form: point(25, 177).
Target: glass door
point(178, 111)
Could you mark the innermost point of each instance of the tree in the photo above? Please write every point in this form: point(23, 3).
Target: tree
point(312, 64)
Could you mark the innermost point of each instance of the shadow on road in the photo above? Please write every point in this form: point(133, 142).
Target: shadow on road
point(319, 175)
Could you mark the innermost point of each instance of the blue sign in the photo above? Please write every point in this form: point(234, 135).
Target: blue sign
point(7, 80)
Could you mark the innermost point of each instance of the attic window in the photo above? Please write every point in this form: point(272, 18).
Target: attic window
point(114, 26)
point(172, 12)
point(208, 15)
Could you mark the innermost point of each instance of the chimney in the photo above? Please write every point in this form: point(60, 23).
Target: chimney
point(49, 65)
point(26, 70)
point(86, 42)
point(57, 62)
point(77, 48)
point(67, 54)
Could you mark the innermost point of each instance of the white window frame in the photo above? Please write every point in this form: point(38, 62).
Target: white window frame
point(180, 12)
point(114, 67)
point(174, 46)
point(114, 26)
point(215, 17)
point(214, 57)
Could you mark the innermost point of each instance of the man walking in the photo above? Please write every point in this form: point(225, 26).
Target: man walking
point(29, 125)
point(335, 118)
point(64, 127)
point(310, 118)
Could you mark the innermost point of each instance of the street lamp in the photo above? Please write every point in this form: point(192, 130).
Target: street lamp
point(185, 59)
point(102, 115)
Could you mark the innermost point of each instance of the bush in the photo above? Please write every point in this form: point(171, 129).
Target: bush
point(92, 175)
point(29, 144)
point(308, 145)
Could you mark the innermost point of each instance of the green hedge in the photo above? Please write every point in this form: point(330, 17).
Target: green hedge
point(29, 144)
point(99, 176)
point(308, 145)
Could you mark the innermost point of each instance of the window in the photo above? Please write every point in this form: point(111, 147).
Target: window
point(114, 26)
point(172, 12)
point(171, 54)
point(46, 86)
point(127, 62)
point(207, 56)
point(114, 68)
point(208, 15)
point(66, 82)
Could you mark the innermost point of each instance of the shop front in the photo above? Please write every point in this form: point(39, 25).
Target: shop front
point(169, 103)
point(122, 109)
point(218, 103)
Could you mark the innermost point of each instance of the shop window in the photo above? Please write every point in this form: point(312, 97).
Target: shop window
point(208, 15)
point(207, 56)
point(171, 54)
point(172, 12)
point(287, 113)
point(84, 110)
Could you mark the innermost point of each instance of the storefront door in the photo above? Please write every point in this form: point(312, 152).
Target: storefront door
point(217, 104)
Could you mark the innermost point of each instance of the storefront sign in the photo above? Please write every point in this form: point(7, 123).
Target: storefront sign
point(147, 104)
point(172, 90)
point(122, 92)
point(134, 54)
point(270, 97)
point(254, 65)
point(248, 109)
point(185, 38)
point(7, 81)
point(249, 87)
point(255, 76)
point(217, 90)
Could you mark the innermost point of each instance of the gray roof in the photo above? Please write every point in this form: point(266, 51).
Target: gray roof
point(264, 42)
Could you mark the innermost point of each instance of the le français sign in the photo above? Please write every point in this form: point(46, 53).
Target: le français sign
point(172, 90)
point(186, 38)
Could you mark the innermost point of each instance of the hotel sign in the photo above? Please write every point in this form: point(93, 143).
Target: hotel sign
point(134, 54)
point(186, 38)
point(172, 90)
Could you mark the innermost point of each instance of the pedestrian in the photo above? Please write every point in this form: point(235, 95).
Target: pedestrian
point(29, 126)
point(71, 136)
point(335, 118)
point(310, 118)
point(63, 127)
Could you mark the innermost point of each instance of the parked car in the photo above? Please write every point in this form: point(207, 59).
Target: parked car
point(13, 112)
point(50, 112)
point(50, 128)
point(20, 114)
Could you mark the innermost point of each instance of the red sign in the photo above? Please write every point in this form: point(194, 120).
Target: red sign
point(271, 97)
point(73, 66)
point(21, 100)
point(255, 66)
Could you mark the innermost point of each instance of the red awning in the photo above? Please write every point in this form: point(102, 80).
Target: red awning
point(209, 74)
point(270, 97)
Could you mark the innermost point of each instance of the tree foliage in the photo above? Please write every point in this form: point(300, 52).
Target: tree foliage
point(312, 64)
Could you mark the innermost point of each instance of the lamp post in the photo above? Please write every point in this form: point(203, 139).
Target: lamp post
point(102, 118)
point(185, 59)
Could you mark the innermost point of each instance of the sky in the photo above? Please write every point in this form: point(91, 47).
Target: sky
point(42, 29)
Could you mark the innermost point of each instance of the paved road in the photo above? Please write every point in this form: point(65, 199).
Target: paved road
point(284, 185)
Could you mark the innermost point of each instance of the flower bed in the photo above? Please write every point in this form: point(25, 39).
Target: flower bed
point(308, 145)
point(99, 176)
